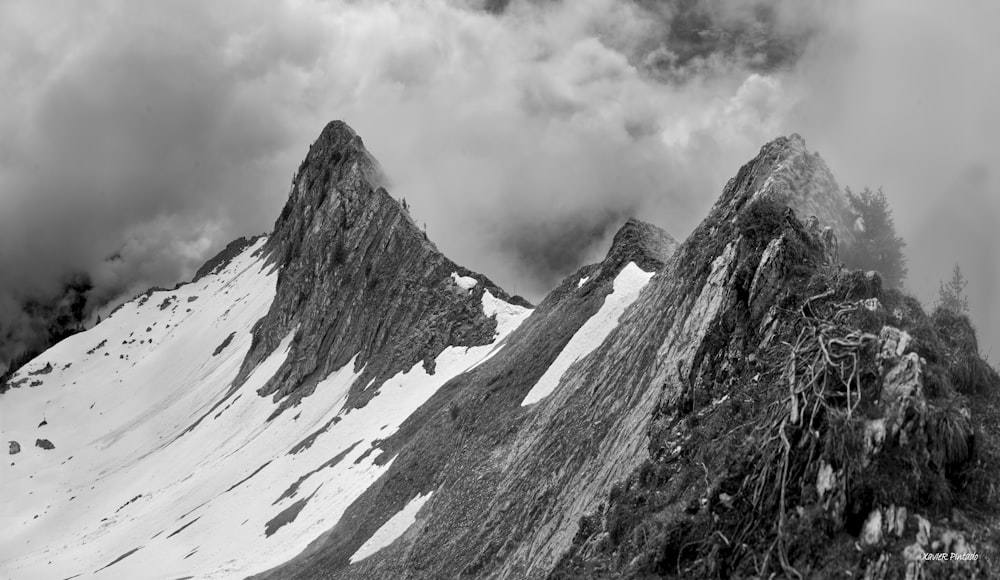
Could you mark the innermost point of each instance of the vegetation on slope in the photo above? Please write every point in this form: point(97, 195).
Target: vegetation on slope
point(842, 430)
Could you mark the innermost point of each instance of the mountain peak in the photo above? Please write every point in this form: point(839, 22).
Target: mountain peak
point(338, 179)
point(339, 146)
point(785, 171)
point(640, 242)
point(347, 251)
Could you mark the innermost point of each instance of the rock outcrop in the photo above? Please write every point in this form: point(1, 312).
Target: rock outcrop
point(220, 260)
point(14, 448)
point(637, 241)
point(357, 277)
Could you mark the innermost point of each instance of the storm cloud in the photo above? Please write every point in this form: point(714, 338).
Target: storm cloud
point(522, 135)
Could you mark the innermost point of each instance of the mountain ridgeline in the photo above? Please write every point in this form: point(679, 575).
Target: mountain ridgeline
point(736, 405)
point(356, 276)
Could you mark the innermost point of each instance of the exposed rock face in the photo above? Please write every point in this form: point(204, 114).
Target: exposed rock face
point(803, 182)
point(637, 241)
point(609, 475)
point(44, 444)
point(358, 277)
point(219, 261)
point(738, 405)
point(509, 501)
point(14, 448)
point(790, 397)
point(462, 443)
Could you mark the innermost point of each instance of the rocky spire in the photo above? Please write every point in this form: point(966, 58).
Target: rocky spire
point(643, 243)
point(788, 173)
point(338, 173)
point(359, 277)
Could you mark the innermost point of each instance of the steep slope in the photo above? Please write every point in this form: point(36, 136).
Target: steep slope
point(458, 446)
point(821, 425)
point(606, 473)
point(339, 400)
point(486, 444)
point(510, 495)
point(358, 278)
point(143, 449)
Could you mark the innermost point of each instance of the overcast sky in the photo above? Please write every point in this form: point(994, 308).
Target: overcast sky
point(156, 132)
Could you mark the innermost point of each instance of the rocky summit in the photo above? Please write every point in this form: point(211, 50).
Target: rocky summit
point(338, 399)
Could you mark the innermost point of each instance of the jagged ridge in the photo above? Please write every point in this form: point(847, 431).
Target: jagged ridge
point(686, 427)
point(452, 444)
point(358, 277)
point(511, 493)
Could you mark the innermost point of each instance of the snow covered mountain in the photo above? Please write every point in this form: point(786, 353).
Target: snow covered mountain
point(339, 400)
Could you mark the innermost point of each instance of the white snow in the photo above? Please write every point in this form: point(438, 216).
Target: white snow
point(392, 529)
point(128, 470)
point(509, 316)
point(464, 282)
point(626, 287)
point(582, 281)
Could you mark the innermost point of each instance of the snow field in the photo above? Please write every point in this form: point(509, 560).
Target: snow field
point(130, 477)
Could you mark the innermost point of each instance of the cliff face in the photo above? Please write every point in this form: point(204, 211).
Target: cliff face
point(356, 276)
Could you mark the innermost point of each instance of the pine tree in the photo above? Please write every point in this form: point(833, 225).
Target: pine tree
point(952, 295)
point(877, 247)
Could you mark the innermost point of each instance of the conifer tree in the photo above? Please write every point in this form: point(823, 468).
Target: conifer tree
point(877, 246)
point(952, 294)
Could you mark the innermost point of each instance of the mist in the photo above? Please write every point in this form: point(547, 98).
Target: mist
point(140, 137)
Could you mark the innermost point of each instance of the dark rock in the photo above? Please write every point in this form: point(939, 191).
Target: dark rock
point(222, 259)
point(346, 251)
point(222, 346)
point(42, 371)
point(645, 244)
point(44, 444)
point(14, 448)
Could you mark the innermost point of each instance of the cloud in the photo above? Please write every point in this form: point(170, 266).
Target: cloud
point(901, 95)
point(157, 132)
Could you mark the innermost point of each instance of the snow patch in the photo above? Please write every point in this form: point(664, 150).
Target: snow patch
point(392, 529)
point(509, 316)
point(464, 282)
point(582, 281)
point(627, 285)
